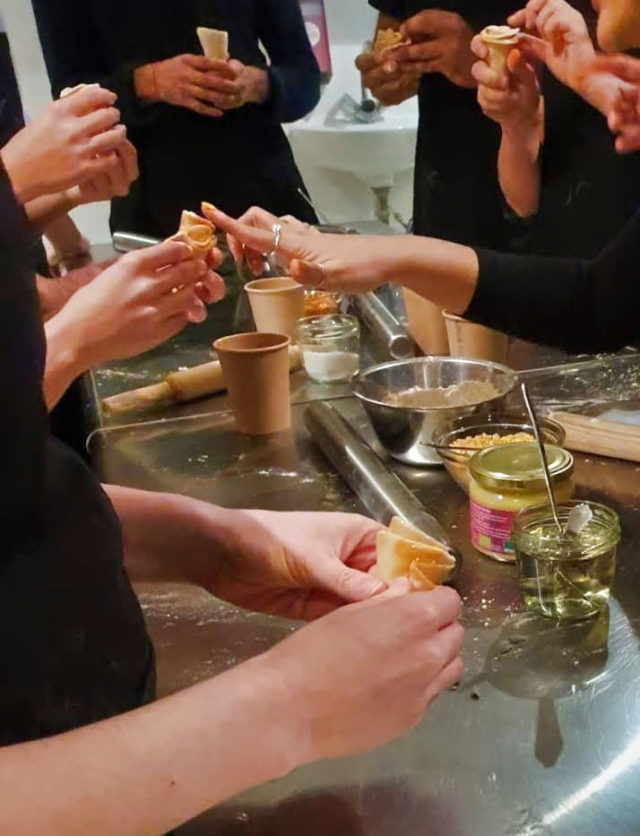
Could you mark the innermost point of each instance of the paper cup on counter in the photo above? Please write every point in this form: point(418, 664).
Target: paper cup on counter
point(256, 371)
point(276, 304)
point(500, 40)
point(426, 324)
point(475, 342)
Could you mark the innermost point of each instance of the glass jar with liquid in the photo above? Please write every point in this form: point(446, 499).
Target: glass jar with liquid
point(566, 576)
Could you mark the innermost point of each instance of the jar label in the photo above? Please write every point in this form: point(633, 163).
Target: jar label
point(491, 530)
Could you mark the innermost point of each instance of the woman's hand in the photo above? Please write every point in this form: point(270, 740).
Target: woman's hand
point(337, 263)
point(196, 82)
point(567, 49)
point(624, 114)
point(295, 565)
point(113, 183)
point(141, 301)
point(75, 140)
point(513, 100)
point(366, 673)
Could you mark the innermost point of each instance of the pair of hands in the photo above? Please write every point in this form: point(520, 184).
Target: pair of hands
point(373, 659)
point(610, 83)
point(201, 84)
point(439, 44)
point(77, 146)
point(140, 301)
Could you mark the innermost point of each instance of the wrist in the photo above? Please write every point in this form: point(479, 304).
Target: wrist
point(211, 540)
point(145, 82)
point(65, 343)
point(23, 189)
point(268, 720)
point(259, 86)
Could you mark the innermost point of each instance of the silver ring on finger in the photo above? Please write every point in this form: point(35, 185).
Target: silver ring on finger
point(277, 235)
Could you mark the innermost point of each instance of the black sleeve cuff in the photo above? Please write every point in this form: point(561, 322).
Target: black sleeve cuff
point(545, 300)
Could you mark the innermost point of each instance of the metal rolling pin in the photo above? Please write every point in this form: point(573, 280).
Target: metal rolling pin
point(126, 242)
point(383, 325)
point(382, 493)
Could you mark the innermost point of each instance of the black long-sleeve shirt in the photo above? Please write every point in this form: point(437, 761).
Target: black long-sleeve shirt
point(578, 305)
point(73, 644)
point(236, 161)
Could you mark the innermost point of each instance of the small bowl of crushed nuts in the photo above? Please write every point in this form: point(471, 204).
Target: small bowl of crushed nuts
point(460, 439)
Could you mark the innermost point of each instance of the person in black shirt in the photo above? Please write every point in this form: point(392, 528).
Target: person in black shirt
point(557, 161)
point(456, 192)
point(571, 303)
point(203, 129)
point(74, 651)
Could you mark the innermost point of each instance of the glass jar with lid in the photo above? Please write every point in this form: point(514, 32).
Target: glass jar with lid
point(504, 481)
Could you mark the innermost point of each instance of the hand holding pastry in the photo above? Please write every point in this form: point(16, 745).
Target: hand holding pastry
point(196, 82)
point(439, 43)
point(77, 139)
point(142, 300)
point(511, 99)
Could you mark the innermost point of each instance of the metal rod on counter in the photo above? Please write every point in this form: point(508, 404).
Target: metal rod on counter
point(382, 493)
point(126, 242)
point(383, 325)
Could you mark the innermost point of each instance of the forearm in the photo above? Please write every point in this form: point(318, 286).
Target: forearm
point(43, 210)
point(442, 272)
point(519, 170)
point(165, 536)
point(153, 769)
point(66, 359)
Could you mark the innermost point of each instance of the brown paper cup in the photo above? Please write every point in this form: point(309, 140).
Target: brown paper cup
point(426, 324)
point(256, 372)
point(276, 304)
point(475, 342)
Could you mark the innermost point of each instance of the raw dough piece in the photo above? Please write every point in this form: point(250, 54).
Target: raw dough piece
point(198, 232)
point(405, 552)
point(214, 42)
point(500, 40)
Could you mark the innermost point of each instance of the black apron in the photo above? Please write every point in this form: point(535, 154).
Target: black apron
point(73, 644)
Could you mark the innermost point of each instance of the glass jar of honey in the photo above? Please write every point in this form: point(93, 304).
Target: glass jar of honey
point(504, 481)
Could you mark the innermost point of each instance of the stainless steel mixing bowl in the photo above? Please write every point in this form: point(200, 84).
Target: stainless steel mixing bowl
point(407, 432)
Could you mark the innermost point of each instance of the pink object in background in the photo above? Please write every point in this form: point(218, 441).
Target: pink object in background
point(316, 22)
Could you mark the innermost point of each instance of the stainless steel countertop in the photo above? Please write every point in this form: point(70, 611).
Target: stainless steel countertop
point(541, 737)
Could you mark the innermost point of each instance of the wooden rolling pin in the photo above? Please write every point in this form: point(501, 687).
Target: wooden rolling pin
point(179, 387)
point(601, 438)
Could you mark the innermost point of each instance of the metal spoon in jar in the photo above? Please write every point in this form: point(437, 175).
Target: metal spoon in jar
point(543, 456)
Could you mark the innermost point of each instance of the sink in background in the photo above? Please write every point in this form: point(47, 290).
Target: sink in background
point(332, 151)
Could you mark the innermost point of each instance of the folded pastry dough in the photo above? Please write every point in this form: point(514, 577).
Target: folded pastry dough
point(214, 42)
point(405, 552)
point(500, 40)
point(388, 39)
point(198, 232)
